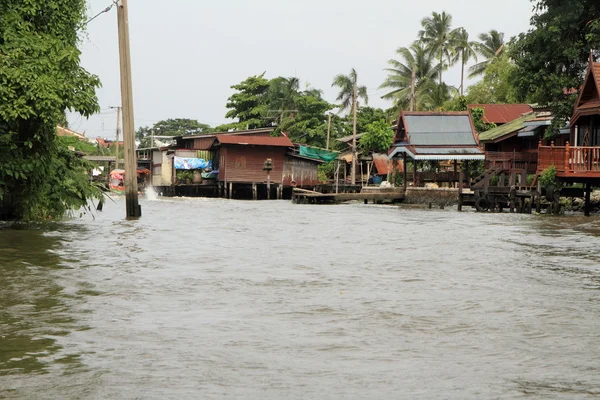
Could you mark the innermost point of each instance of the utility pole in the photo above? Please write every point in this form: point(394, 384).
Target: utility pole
point(328, 130)
point(354, 155)
point(117, 134)
point(413, 78)
point(133, 208)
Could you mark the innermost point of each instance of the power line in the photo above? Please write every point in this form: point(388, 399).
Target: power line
point(107, 9)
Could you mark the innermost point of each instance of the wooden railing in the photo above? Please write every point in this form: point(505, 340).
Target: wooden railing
point(570, 160)
point(512, 161)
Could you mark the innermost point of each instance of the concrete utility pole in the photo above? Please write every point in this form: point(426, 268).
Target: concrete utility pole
point(132, 205)
point(354, 155)
point(117, 134)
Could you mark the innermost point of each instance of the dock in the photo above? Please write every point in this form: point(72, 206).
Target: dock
point(374, 194)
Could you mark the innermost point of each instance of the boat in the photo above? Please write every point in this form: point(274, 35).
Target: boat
point(117, 180)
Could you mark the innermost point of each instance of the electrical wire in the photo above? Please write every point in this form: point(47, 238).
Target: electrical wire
point(107, 9)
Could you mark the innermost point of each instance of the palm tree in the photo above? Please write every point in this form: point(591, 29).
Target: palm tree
point(438, 35)
point(282, 94)
point(464, 51)
point(348, 96)
point(411, 77)
point(491, 46)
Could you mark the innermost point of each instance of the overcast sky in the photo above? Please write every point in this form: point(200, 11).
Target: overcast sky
point(187, 53)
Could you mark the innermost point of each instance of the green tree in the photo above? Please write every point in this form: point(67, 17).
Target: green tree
point(349, 94)
point(497, 86)
point(282, 96)
point(249, 104)
point(552, 57)
point(411, 79)
point(490, 47)
point(41, 78)
point(438, 35)
point(378, 137)
point(465, 50)
point(171, 127)
point(308, 124)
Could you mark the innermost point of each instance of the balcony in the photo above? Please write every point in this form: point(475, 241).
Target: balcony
point(570, 161)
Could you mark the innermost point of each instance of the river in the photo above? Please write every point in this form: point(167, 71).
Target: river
point(211, 299)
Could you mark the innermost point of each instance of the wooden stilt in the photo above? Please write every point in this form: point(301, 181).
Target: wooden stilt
point(405, 177)
point(230, 191)
point(460, 191)
point(254, 192)
point(538, 198)
point(588, 195)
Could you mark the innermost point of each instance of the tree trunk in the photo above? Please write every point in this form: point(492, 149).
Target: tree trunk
point(413, 78)
point(441, 63)
point(354, 156)
point(462, 75)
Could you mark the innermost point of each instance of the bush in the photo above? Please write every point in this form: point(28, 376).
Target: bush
point(548, 177)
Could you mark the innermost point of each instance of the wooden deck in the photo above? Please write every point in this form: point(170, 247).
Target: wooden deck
point(571, 163)
point(301, 196)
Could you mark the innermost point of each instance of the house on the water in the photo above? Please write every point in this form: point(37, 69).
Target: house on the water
point(436, 136)
point(251, 164)
point(578, 160)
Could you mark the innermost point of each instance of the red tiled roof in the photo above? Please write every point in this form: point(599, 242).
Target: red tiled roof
point(279, 141)
point(501, 113)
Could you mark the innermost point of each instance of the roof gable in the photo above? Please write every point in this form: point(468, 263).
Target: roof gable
point(501, 113)
point(591, 87)
point(588, 101)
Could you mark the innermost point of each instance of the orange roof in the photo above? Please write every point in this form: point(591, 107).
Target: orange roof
point(501, 113)
point(279, 141)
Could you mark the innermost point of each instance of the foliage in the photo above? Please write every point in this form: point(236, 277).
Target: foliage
point(184, 175)
point(378, 137)
point(490, 47)
point(326, 171)
point(171, 127)
point(464, 50)
point(346, 85)
point(78, 145)
point(418, 61)
point(41, 78)
point(309, 123)
point(552, 57)
point(282, 97)
point(439, 37)
point(548, 177)
point(481, 126)
point(497, 86)
point(249, 104)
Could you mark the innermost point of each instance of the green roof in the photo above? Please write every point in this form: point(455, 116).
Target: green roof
point(506, 129)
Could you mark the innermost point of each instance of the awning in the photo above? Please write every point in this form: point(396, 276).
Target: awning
point(318, 154)
point(528, 131)
point(438, 154)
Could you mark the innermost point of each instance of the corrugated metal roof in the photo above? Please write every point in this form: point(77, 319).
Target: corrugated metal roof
point(258, 131)
point(440, 130)
point(501, 113)
point(280, 141)
point(448, 150)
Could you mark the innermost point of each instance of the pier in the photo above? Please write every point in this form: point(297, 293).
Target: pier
point(374, 194)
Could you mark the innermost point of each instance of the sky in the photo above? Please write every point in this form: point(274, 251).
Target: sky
point(187, 53)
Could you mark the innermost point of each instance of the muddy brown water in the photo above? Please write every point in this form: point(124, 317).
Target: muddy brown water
point(215, 299)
